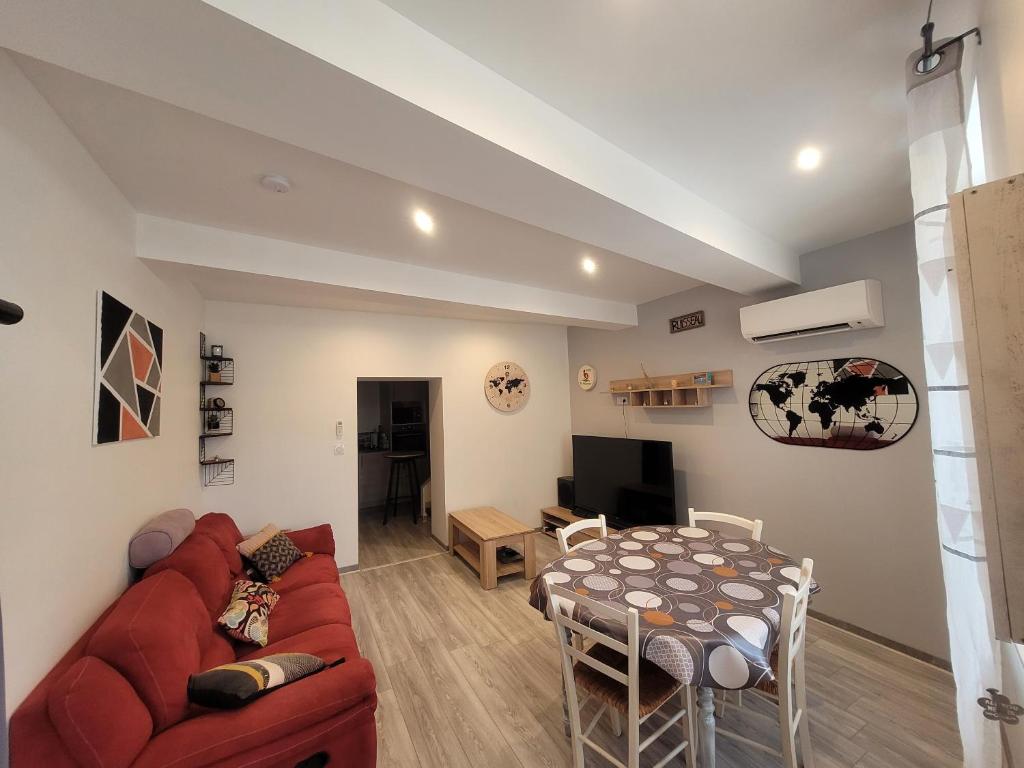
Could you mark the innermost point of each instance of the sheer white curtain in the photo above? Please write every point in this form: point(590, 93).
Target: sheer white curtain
point(946, 157)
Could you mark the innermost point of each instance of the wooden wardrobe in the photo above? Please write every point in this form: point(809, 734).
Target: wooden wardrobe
point(988, 234)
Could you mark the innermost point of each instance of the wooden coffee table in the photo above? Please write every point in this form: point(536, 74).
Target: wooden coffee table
point(485, 529)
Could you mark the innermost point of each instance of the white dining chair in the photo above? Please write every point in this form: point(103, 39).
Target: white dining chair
point(754, 527)
point(580, 525)
point(613, 674)
point(790, 689)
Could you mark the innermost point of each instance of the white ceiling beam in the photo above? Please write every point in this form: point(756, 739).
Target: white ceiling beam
point(370, 88)
point(210, 248)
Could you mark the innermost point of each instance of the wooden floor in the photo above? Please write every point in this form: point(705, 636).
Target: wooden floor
point(395, 542)
point(469, 678)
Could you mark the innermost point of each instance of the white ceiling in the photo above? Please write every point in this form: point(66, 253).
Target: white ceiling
point(248, 288)
point(177, 164)
point(720, 95)
point(656, 136)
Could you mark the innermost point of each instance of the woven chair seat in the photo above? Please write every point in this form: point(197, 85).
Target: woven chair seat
point(656, 685)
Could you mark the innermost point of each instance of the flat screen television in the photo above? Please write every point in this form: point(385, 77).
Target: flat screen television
point(630, 482)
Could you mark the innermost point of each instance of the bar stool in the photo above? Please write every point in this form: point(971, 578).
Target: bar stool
point(402, 460)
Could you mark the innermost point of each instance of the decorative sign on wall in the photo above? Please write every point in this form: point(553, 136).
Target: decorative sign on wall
point(686, 322)
point(586, 377)
point(129, 372)
point(507, 386)
point(856, 403)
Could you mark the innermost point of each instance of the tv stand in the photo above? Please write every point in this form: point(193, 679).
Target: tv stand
point(553, 518)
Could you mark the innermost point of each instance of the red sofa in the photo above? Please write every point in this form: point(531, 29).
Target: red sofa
point(118, 698)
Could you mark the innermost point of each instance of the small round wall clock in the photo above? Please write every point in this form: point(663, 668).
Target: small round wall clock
point(507, 387)
point(586, 377)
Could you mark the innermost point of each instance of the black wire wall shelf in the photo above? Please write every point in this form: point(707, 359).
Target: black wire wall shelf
point(218, 471)
point(215, 421)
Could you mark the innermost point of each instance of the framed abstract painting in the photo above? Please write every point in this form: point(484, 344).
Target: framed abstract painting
point(129, 373)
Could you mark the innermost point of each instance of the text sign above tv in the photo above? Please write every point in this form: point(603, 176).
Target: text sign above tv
point(686, 322)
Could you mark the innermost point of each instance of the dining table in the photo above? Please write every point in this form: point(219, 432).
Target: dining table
point(709, 604)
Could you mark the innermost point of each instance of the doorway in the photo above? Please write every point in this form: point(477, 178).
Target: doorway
point(397, 487)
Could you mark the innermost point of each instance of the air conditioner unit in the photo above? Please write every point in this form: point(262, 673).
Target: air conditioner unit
point(847, 307)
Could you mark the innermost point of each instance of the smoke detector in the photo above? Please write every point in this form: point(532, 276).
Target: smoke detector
point(275, 182)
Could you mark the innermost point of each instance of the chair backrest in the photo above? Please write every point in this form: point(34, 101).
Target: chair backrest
point(580, 525)
point(753, 526)
point(562, 606)
point(793, 625)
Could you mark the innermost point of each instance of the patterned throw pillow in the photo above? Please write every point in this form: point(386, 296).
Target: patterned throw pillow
point(247, 616)
point(275, 557)
point(233, 685)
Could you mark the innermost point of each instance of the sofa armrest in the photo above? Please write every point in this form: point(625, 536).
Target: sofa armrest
point(348, 690)
point(319, 540)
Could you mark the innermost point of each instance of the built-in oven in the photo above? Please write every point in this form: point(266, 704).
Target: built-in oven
point(406, 413)
point(408, 437)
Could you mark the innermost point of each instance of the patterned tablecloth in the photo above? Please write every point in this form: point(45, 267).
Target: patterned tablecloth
point(709, 604)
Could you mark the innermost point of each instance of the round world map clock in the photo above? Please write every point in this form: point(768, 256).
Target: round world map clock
point(507, 386)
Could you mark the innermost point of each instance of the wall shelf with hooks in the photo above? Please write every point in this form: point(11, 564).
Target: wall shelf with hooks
point(677, 390)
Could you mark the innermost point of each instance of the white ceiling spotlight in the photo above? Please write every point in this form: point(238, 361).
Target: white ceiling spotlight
point(808, 158)
point(275, 182)
point(589, 265)
point(424, 221)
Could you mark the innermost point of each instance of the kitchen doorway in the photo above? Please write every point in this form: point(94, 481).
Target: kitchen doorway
point(399, 445)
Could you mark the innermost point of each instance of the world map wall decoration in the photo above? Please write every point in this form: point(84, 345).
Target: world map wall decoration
point(856, 403)
point(129, 373)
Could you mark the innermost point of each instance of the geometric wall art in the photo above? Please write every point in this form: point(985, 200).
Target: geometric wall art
point(129, 373)
point(855, 403)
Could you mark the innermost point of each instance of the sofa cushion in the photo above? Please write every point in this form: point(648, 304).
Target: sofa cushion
point(276, 556)
point(265, 725)
point(225, 534)
point(319, 539)
point(318, 569)
point(155, 637)
point(83, 703)
point(258, 539)
point(330, 642)
point(220, 650)
point(200, 560)
point(234, 685)
point(247, 617)
point(159, 537)
point(308, 607)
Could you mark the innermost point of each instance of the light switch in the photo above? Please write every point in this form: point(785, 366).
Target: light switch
point(339, 449)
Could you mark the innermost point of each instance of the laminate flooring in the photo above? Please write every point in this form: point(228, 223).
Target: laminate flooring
point(468, 678)
point(399, 540)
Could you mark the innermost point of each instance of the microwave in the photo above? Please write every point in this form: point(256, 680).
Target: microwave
point(407, 412)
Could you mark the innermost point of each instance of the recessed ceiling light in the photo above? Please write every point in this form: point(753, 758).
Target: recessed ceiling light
point(423, 221)
point(589, 265)
point(275, 182)
point(808, 158)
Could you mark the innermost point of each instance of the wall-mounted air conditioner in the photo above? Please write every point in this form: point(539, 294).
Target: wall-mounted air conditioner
point(847, 307)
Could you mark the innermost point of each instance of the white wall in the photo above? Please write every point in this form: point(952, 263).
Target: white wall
point(868, 518)
point(69, 508)
point(296, 376)
point(1001, 86)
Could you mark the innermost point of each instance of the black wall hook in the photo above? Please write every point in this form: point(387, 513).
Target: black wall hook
point(10, 313)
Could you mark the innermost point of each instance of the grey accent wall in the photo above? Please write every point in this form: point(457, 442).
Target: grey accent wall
point(867, 518)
